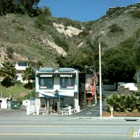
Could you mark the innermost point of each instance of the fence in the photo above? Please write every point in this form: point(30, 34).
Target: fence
point(67, 111)
point(31, 110)
point(35, 109)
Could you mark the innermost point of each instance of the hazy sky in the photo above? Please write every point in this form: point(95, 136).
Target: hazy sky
point(83, 10)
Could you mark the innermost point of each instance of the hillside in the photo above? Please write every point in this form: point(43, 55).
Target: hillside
point(20, 38)
point(45, 38)
point(42, 39)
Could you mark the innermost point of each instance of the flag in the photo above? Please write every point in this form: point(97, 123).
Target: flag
point(92, 87)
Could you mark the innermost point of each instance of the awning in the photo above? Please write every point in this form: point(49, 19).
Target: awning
point(64, 94)
point(47, 94)
point(61, 94)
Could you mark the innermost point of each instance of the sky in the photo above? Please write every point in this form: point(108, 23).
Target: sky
point(82, 10)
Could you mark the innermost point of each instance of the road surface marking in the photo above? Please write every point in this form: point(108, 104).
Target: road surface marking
point(62, 126)
point(62, 134)
point(89, 113)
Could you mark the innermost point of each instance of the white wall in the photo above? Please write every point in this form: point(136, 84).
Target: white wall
point(19, 78)
point(20, 67)
point(3, 103)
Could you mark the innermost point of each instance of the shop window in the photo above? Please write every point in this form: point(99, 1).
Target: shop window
point(46, 82)
point(67, 82)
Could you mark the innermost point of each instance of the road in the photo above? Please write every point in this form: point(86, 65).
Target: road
point(94, 111)
point(16, 125)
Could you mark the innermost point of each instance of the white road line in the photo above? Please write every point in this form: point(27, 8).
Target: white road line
point(56, 134)
point(89, 113)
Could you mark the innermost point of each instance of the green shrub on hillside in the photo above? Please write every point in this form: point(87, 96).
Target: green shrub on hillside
point(10, 50)
point(135, 14)
point(9, 55)
point(115, 28)
point(83, 34)
point(110, 12)
point(19, 28)
point(128, 43)
point(138, 33)
point(60, 42)
point(68, 22)
point(41, 21)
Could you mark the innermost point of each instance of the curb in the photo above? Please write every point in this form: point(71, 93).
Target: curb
point(112, 118)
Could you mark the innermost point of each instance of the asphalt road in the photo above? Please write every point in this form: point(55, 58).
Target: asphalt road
point(94, 111)
point(16, 125)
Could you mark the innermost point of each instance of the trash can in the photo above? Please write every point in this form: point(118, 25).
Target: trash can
point(15, 105)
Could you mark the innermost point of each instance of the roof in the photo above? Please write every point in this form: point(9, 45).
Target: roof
point(56, 70)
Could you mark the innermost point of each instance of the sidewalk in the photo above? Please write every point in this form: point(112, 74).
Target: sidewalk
point(19, 114)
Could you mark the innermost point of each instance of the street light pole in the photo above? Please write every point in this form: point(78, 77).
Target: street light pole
point(100, 78)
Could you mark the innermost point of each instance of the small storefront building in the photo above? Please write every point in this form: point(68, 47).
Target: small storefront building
point(57, 85)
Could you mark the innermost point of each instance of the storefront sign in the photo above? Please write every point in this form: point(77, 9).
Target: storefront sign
point(65, 75)
point(45, 75)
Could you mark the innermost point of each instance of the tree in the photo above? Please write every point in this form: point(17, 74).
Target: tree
point(90, 53)
point(46, 11)
point(85, 55)
point(60, 60)
point(27, 75)
point(18, 6)
point(39, 64)
point(7, 71)
point(137, 56)
point(118, 65)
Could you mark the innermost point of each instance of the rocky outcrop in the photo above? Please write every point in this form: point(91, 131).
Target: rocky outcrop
point(69, 31)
